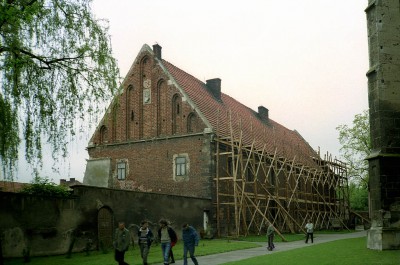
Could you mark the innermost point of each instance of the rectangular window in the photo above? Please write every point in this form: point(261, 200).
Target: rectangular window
point(249, 174)
point(121, 170)
point(180, 164)
point(272, 177)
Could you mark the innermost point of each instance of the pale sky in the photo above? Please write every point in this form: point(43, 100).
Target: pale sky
point(304, 60)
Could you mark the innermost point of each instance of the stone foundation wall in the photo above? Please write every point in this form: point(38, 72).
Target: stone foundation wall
point(48, 226)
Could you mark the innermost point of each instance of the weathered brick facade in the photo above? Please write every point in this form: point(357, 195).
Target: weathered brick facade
point(168, 132)
point(150, 165)
point(147, 126)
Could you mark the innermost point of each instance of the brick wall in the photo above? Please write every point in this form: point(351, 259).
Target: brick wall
point(148, 124)
point(150, 165)
point(131, 117)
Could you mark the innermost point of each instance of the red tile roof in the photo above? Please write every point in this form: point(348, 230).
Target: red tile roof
point(275, 137)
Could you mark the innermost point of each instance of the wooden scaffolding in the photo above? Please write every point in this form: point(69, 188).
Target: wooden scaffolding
point(255, 187)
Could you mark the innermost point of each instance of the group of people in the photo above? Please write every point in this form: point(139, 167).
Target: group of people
point(271, 233)
point(167, 237)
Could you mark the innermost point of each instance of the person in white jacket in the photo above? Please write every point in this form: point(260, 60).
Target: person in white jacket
point(310, 231)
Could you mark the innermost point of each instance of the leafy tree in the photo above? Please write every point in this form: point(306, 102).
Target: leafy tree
point(56, 71)
point(44, 187)
point(356, 147)
point(358, 197)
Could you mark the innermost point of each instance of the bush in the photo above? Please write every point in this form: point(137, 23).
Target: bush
point(43, 187)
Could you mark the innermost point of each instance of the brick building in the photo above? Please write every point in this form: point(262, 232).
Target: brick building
point(168, 132)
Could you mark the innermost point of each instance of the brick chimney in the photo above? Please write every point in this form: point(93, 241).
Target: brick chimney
point(214, 86)
point(263, 113)
point(157, 51)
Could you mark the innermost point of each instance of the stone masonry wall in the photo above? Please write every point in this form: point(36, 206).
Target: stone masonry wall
point(46, 226)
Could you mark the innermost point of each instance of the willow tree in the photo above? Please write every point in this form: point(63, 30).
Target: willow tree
point(56, 69)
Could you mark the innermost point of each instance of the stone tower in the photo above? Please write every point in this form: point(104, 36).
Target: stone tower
point(383, 18)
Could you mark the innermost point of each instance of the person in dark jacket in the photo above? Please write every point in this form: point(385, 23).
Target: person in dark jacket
point(190, 241)
point(270, 236)
point(122, 239)
point(145, 239)
point(167, 237)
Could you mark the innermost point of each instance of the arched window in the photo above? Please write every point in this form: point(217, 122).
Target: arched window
point(129, 110)
point(103, 134)
point(160, 105)
point(145, 72)
point(190, 122)
point(175, 112)
point(114, 121)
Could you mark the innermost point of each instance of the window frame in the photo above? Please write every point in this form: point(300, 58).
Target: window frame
point(179, 167)
point(121, 172)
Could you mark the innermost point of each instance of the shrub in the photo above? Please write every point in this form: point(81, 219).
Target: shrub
point(43, 187)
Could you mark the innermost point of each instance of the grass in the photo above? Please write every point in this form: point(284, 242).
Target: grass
point(132, 256)
point(290, 237)
point(263, 238)
point(340, 252)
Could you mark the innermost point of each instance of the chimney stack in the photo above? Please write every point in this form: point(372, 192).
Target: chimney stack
point(263, 113)
point(157, 51)
point(214, 86)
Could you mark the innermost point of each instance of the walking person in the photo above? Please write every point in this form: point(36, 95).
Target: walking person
point(270, 236)
point(190, 241)
point(166, 235)
point(171, 253)
point(146, 237)
point(310, 231)
point(122, 239)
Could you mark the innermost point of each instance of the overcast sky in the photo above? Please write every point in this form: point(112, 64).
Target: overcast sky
point(304, 60)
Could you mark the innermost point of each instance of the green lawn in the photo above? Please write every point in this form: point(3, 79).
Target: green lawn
point(341, 252)
point(205, 247)
point(263, 238)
